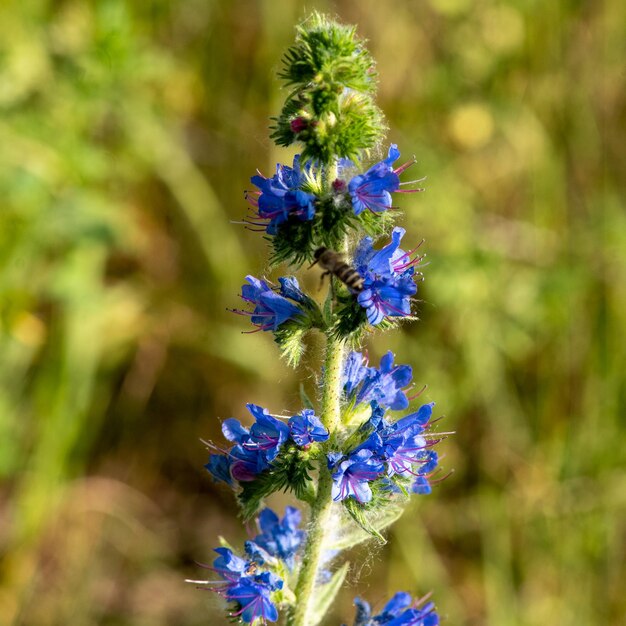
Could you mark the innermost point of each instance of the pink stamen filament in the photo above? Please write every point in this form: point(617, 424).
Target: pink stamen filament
point(439, 480)
point(416, 261)
point(418, 394)
point(405, 166)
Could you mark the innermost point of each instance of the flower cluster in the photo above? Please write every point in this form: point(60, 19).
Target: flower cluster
point(288, 195)
point(255, 582)
point(388, 278)
point(399, 611)
point(384, 385)
point(256, 448)
point(391, 453)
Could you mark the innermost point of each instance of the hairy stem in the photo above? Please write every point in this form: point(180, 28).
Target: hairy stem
point(321, 509)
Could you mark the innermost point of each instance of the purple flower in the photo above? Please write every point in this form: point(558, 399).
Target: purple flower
point(399, 611)
point(306, 427)
point(280, 538)
point(372, 190)
point(280, 197)
point(388, 278)
point(384, 385)
point(352, 477)
point(270, 308)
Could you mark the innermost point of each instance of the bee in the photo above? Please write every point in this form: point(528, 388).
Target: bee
point(251, 568)
point(334, 264)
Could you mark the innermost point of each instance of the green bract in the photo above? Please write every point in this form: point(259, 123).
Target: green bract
point(330, 108)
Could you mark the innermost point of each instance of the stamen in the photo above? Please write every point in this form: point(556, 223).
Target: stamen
point(413, 182)
point(204, 582)
point(439, 480)
point(418, 394)
point(405, 166)
point(423, 599)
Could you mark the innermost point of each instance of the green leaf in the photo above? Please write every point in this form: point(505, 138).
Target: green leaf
point(357, 534)
point(290, 334)
point(380, 512)
point(289, 338)
point(325, 595)
point(304, 398)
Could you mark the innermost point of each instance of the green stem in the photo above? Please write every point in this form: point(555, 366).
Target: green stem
point(322, 507)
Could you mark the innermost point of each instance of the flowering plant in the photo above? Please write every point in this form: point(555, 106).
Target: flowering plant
point(346, 455)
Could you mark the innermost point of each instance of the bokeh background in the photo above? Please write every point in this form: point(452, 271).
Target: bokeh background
point(128, 132)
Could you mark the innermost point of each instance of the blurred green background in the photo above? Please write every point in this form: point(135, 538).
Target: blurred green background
point(128, 132)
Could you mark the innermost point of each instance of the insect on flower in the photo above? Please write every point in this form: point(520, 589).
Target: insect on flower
point(334, 264)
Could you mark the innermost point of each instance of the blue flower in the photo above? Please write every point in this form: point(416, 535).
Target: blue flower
point(306, 427)
point(258, 555)
point(388, 278)
point(228, 565)
point(363, 612)
point(280, 538)
point(270, 308)
point(397, 612)
point(384, 385)
point(414, 422)
point(254, 449)
point(352, 477)
point(372, 190)
point(219, 467)
point(354, 371)
point(252, 594)
point(290, 288)
point(332, 458)
point(245, 582)
point(403, 446)
point(400, 447)
point(402, 453)
point(267, 433)
point(421, 486)
point(280, 197)
point(246, 464)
